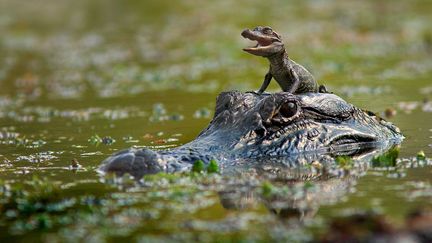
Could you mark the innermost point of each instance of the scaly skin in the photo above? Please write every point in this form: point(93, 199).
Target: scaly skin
point(291, 76)
point(247, 125)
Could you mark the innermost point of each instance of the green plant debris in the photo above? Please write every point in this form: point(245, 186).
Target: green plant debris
point(421, 155)
point(213, 167)
point(344, 162)
point(107, 140)
point(388, 159)
point(35, 196)
point(95, 140)
point(14, 138)
point(309, 185)
point(267, 189)
point(198, 166)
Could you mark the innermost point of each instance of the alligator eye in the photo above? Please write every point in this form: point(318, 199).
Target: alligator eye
point(267, 30)
point(288, 109)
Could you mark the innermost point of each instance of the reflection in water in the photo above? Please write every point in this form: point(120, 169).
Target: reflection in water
point(299, 184)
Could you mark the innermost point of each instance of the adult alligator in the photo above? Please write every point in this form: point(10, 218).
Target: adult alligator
point(247, 125)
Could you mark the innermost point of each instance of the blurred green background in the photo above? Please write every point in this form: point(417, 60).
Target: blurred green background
point(74, 49)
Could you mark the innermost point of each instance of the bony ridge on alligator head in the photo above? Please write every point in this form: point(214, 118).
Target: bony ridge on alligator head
point(291, 76)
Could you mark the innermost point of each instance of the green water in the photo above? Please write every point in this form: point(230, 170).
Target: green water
point(147, 73)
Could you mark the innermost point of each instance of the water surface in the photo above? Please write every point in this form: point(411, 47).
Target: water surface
point(148, 73)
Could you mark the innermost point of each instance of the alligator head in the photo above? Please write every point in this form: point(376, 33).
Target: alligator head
point(246, 125)
point(281, 124)
point(268, 41)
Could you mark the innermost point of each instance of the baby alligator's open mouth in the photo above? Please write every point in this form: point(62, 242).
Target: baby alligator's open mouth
point(262, 41)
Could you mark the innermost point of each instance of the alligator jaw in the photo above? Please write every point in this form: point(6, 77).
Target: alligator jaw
point(352, 139)
point(262, 41)
point(265, 44)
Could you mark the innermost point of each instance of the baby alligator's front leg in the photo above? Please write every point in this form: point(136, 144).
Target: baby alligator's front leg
point(266, 83)
point(295, 81)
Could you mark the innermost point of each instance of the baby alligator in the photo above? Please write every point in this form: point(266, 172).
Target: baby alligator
point(291, 76)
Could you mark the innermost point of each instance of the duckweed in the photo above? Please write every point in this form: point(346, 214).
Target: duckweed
point(198, 166)
point(267, 189)
point(344, 162)
point(213, 167)
point(95, 140)
point(421, 155)
point(388, 159)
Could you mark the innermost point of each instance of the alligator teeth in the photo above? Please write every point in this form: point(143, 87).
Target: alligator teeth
point(312, 133)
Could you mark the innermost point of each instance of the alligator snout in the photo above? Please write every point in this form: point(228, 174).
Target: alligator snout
point(246, 33)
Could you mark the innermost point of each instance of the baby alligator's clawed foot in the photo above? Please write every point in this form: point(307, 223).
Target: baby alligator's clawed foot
point(253, 92)
point(257, 92)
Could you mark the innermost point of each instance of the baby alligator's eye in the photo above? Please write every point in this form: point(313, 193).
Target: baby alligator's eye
point(288, 109)
point(267, 30)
